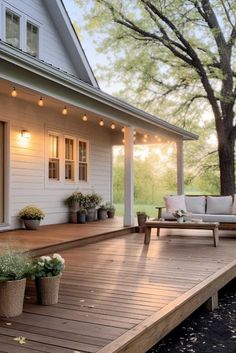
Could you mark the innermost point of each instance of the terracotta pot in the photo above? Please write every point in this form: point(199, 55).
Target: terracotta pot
point(31, 224)
point(47, 289)
point(12, 297)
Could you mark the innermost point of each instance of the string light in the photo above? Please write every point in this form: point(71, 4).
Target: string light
point(135, 132)
point(84, 117)
point(145, 136)
point(113, 126)
point(123, 141)
point(40, 102)
point(14, 92)
point(123, 130)
point(64, 111)
point(101, 122)
point(145, 140)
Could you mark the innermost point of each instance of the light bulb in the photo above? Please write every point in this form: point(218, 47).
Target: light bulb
point(84, 117)
point(145, 136)
point(113, 126)
point(64, 111)
point(40, 102)
point(14, 92)
point(101, 122)
point(123, 129)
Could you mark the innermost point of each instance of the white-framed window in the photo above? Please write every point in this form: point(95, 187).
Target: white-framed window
point(53, 157)
point(69, 144)
point(12, 30)
point(32, 39)
point(83, 161)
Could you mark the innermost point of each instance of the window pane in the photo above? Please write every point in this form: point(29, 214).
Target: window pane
point(82, 151)
point(53, 146)
point(32, 39)
point(83, 171)
point(53, 169)
point(69, 170)
point(69, 149)
point(12, 29)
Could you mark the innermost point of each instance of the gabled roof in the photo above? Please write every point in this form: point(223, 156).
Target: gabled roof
point(71, 41)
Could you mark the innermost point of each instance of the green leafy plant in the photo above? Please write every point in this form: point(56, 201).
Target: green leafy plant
point(31, 212)
point(91, 200)
point(14, 265)
point(103, 207)
point(48, 266)
point(110, 207)
point(82, 210)
point(77, 196)
point(142, 213)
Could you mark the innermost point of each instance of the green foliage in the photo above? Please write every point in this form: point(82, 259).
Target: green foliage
point(77, 196)
point(14, 266)
point(31, 212)
point(48, 266)
point(91, 200)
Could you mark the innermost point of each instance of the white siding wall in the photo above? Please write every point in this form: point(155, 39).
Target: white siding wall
point(51, 48)
point(28, 179)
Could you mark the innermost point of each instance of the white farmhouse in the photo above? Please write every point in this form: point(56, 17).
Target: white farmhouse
point(51, 142)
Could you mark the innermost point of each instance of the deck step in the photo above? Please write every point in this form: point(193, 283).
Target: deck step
point(70, 244)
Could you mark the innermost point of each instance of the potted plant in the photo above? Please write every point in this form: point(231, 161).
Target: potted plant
point(110, 210)
point(142, 217)
point(102, 212)
point(74, 203)
point(179, 215)
point(90, 202)
point(81, 215)
point(47, 272)
point(14, 268)
point(31, 216)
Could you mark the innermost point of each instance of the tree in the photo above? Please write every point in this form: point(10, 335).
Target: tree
point(187, 52)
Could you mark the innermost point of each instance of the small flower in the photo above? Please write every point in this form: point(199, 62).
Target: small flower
point(45, 258)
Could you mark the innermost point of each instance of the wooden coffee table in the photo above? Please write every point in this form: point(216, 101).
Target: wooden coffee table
point(214, 226)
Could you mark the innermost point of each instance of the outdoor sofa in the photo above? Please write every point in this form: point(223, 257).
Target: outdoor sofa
point(220, 209)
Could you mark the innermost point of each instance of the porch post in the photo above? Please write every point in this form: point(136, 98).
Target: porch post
point(180, 167)
point(128, 178)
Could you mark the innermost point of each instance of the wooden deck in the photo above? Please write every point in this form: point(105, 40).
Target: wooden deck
point(58, 237)
point(119, 295)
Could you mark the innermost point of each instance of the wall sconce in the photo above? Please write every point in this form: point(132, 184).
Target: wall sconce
point(40, 102)
point(14, 92)
point(25, 134)
point(113, 126)
point(101, 122)
point(84, 117)
point(64, 111)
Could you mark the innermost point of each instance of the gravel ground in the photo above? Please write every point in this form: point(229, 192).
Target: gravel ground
point(205, 332)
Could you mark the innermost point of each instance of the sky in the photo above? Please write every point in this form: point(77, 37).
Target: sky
point(75, 13)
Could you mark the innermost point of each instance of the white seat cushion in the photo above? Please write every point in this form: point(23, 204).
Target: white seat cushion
point(195, 204)
point(174, 203)
point(219, 205)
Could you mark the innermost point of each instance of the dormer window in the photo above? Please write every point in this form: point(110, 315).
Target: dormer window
point(12, 29)
point(32, 39)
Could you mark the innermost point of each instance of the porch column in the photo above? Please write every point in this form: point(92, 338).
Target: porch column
point(128, 178)
point(180, 167)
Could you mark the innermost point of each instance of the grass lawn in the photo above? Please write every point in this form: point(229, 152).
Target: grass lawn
point(149, 209)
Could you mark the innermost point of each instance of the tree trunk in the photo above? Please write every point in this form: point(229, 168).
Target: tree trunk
point(226, 162)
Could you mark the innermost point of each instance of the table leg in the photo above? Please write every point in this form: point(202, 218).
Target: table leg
point(216, 236)
point(147, 235)
point(158, 232)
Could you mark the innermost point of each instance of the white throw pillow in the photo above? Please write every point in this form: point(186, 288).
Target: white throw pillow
point(234, 205)
point(174, 203)
point(219, 205)
point(195, 204)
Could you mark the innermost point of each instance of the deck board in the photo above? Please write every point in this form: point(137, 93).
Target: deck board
point(116, 294)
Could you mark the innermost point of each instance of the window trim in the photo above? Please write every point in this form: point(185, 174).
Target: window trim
point(65, 136)
point(52, 183)
point(23, 27)
point(36, 26)
point(88, 162)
